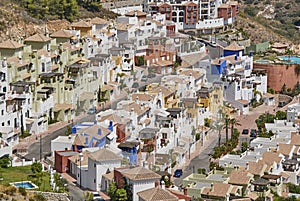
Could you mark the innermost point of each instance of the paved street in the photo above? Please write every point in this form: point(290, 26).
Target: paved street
point(201, 160)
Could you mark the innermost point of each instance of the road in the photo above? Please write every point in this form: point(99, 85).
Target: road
point(201, 161)
point(34, 149)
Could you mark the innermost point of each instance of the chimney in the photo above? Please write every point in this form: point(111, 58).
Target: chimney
point(227, 196)
point(247, 166)
point(211, 187)
point(20, 60)
point(86, 140)
point(163, 186)
point(4, 62)
point(185, 191)
point(99, 131)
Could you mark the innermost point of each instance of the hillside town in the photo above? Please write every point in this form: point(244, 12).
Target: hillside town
point(154, 105)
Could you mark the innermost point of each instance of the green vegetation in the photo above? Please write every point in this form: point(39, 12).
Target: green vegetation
point(291, 92)
point(285, 17)
point(88, 196)
point(268, 118)
point(140, 61)
point(5, 161)
point(51, 9)
point(23, 173)
point(232, 144)
point(213, 165)
point(115, 193)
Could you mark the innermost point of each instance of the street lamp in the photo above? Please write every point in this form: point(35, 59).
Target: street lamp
point(80, 159)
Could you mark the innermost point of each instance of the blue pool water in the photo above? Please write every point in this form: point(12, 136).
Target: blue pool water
point(25, 184)
point(291, 59)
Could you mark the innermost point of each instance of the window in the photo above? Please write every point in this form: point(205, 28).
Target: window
point(94, 180)
point(2, 123)
point(94, 164)
point(8, 122)
point(2, 112)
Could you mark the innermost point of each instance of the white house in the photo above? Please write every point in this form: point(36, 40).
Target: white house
point(139, 178)
point(100, 162)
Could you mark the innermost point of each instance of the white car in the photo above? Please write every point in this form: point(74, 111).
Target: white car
point(97, 196)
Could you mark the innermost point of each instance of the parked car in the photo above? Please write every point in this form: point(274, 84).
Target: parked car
point(135, 85)
point(178, 173)
point(92, 111)
point(97, 197)
point(253, 133)
point(245, 131)
point(151, 75)
point(144, 78)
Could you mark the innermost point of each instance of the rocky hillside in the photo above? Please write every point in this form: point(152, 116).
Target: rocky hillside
point(16, 22)
point(273, 20)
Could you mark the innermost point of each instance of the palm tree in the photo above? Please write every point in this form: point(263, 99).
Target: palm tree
point(233, 122)
point(218, 125)
point(227, 120)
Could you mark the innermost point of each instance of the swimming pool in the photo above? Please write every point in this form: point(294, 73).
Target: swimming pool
point(24, 184)
point(291, 59)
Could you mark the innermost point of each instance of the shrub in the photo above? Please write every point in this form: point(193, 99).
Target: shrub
point(23, 191)
point(10, 190)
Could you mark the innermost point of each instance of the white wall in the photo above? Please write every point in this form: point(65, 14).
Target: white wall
point(96, 170)
point(139, 186)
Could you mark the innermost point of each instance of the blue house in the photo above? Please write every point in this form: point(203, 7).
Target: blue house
point(130, 151)
point(80, 126)
point(234, 49)
point(92, 136)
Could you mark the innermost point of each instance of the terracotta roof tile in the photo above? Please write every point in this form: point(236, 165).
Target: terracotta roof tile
point(98, 20)
point(38, 38)
point(234, 47)
point(295, 138)
point(157, 194)
point(240, 177)
point(139, 173)
point(84, 161)
point(104, 155)
point(135, 13)
point(61, 34)
point(9, 44)
point(286, 149)
point(218, 189)
point(81, 24)
point(257, 168)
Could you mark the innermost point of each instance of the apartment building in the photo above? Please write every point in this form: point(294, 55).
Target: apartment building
point(204, 16)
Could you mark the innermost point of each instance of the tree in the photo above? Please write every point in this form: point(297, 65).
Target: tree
point(112, 189)
point(4, 161)
point(115, 193)
point(121, 194)
point(244, 146)
point(280, 115)
point(36, 168)
point(226, 128)
point(233, 122)
point(88, 196)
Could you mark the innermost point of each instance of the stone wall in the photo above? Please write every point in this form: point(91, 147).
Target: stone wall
point(280, 74)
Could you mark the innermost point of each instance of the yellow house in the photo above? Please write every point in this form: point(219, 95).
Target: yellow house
point(166, 96)
point(10, 48)
point(38, 41)
point(62, 36)
point(84, 27)
point(210, 97)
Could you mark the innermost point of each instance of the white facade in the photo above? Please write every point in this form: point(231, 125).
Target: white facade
point(95, 171)
point(138, 186)
point(61, 143)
